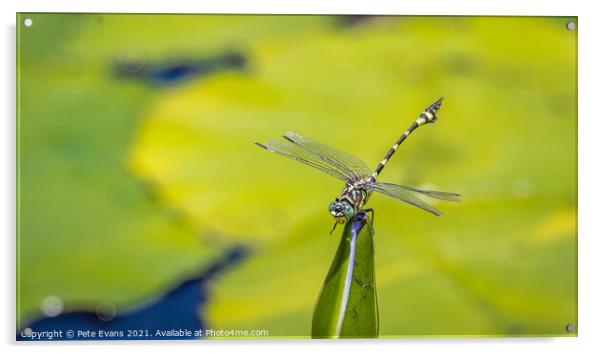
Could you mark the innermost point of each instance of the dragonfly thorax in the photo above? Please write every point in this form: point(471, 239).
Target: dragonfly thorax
point(350, 201)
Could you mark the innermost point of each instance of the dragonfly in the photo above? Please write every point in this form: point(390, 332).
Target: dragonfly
point(360, 180)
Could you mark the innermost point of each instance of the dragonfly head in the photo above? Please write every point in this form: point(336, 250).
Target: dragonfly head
point(341, 211)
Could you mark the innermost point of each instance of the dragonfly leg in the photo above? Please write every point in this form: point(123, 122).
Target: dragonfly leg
point(371, 211)
point(333, 227)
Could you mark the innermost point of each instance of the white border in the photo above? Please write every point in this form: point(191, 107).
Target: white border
point(590, 176)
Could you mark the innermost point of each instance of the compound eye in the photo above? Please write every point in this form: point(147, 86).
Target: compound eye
point(348, 211)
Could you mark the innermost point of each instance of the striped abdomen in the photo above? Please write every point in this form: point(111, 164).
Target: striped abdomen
point(428, 116)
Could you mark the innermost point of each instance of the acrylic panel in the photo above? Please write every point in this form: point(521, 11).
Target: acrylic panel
point(178, 176)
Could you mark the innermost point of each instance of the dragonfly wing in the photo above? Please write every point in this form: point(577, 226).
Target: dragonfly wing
point(450, 197)
point(295, 152)
point(411, 195)
point(352, 166)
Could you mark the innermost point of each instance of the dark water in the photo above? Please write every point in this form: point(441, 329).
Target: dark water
point(174, 315)
point(177, 71)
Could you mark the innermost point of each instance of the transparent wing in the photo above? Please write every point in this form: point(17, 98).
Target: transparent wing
point(411, 195)
point(329, 160)
point(295, 152)
point(342, 161)
point(451, 197)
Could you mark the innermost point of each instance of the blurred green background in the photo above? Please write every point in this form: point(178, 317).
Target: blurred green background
point(129, 182)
